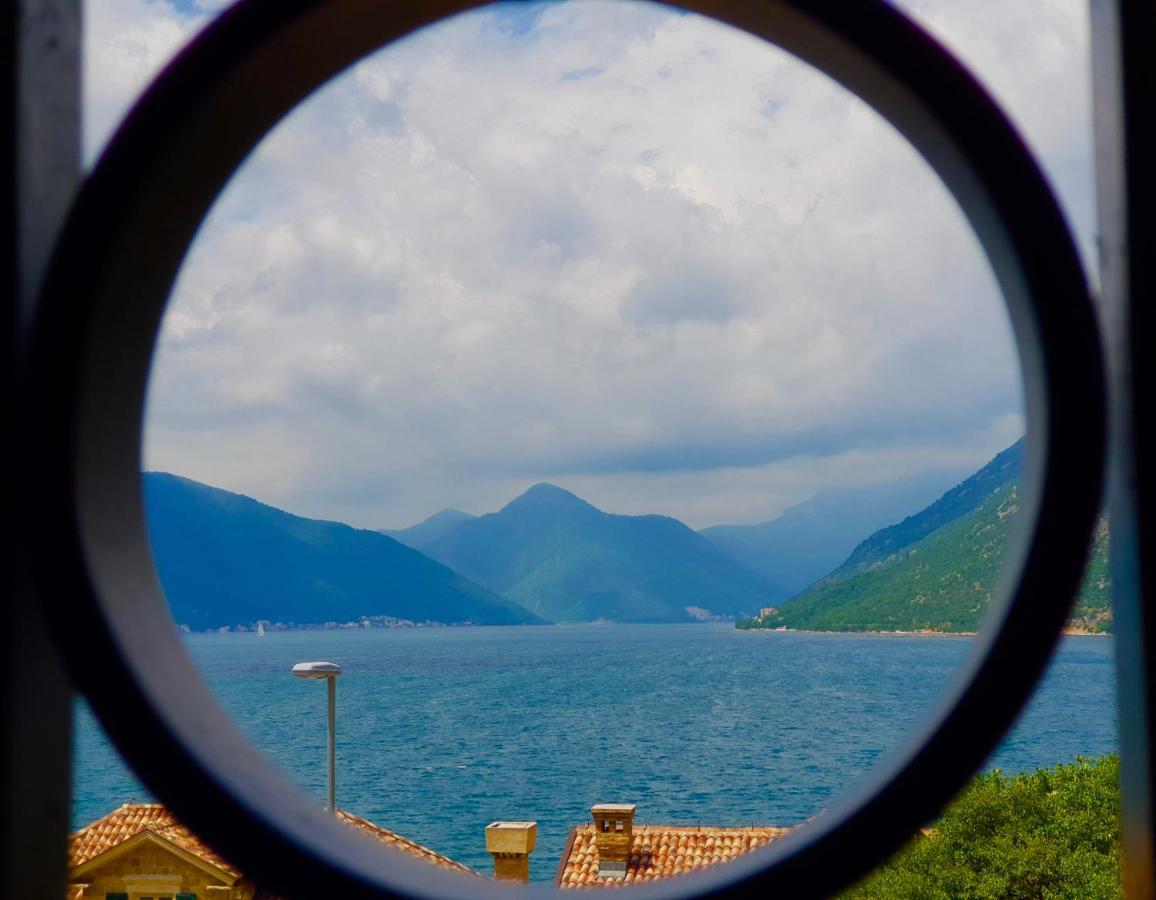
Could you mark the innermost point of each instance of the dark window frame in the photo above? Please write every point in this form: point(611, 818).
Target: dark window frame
point(41, 159)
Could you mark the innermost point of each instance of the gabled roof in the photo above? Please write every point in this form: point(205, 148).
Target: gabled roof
point(133, 819)
point(134, 822)
point(659, 851)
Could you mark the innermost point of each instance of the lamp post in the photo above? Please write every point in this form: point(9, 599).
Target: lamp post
point(329, 671)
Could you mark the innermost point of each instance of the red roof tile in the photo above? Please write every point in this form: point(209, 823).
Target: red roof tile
point(127, 822)
point(660, 851)
point(405, 845)
point(131, 819)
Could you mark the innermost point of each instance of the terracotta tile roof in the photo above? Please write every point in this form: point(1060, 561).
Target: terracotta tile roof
point(405, 845)
point(659, 851)
point(133, 818)
point(127, 822)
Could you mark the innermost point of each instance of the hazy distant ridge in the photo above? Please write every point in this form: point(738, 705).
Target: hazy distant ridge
point(809, 540)
point(424, 533)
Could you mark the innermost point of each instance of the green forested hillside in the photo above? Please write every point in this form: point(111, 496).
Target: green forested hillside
point(943, 582)
point(1004, 469)
point(1093, 610)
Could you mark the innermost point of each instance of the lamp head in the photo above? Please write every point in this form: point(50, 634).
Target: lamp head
point(316, 670)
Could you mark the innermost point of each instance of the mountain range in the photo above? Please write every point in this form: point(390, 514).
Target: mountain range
point(226, 559)
point(568, 561)
point(548, 555)
point(938, 569)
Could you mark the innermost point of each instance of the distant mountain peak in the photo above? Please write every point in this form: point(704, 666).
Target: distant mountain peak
point(568, 561)
point(544, 495)
point(429, 530)
point(448, 515)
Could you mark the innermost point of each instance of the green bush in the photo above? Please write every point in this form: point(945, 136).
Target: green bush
point(1051, 833)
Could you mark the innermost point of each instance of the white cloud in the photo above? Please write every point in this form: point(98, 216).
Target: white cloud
point(1035, 59)
point(627, 249)
point(126, 43)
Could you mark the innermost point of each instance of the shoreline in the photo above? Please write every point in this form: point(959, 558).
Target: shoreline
point(921, 633)
point(866, 633)
point(404, 625)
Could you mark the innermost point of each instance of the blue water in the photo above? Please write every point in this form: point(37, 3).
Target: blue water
point(442, 731)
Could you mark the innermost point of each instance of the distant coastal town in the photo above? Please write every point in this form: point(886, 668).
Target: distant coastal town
point(264, 625)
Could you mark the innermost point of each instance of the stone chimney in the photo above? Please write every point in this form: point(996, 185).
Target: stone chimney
point(510, 844)
point(614, 827)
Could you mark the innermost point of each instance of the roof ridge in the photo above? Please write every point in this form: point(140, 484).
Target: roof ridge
point(402, 838)
point(356, 821)
point(711, 827)
point(662, 851)
point(696, 827)
point(108, 815)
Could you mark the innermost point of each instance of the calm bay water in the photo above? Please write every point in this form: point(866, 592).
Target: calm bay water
point(442, 731)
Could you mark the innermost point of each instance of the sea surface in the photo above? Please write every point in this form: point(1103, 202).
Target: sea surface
point(442, 731)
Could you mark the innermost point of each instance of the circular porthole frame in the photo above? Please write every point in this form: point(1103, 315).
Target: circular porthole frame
point(86, 370)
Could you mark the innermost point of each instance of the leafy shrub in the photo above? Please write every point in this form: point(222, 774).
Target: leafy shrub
point(1046, 834)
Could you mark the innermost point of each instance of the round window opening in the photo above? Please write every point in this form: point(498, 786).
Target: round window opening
point(591, 279)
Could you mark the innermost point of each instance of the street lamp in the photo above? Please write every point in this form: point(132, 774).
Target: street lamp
point(329, 671)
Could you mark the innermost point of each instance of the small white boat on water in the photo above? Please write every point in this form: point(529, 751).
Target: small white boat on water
point(260, 629)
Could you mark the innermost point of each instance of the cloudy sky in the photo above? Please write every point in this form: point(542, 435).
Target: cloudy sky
point(613, 246)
